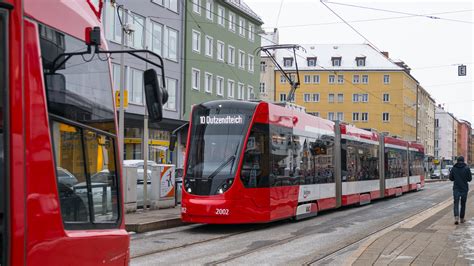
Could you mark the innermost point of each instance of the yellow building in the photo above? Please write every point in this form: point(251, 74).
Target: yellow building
point(355, 84)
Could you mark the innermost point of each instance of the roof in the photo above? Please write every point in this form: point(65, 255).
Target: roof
point(348, 54)
point(240, 5)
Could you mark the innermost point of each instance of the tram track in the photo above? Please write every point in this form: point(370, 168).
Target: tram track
point(316, 259)
point(320, 228)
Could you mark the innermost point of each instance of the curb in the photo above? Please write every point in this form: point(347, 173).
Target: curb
point(155, 225)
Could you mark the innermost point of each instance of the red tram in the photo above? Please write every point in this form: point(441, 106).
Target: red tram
point(255, 162)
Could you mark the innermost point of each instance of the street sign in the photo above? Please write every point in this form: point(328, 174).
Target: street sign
point(117, 99)
point(462, 70)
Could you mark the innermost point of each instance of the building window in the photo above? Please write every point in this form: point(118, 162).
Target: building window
point(287, 61)
point(340, 116)
point(331, 97)
point(136, 86)
point(386, 79)
point(220, 51)
point(262, 87)
point(331, 79)
point(307, 97)
point(386, 97)
point(282, 79)
point(263, 66)
point(209, 9)
point(209, 45)
point(157, 37)
point(316, 79)
point(171, 87)
point(365, 117)
point(172, 44)
point(220, 16)
point(365, 97)
point(208, 82)
point(251, 62)
point(230, 88)
point(137, 34)
point(307, 79)
point(365, 79)
point(436, 122)
point(242, 27)
point(311, 61)
point(360, 61)
point(385, 117)
point(336, 61)
point(331, 116)
point(231, 21)
point(340, 98)
point(355, 79)
point(197, 6)
point(315, 97)
point(231, 55)
point(220, 86)
point(282, 97)
point(355, 98)
point(172, 5)
point(113, 27)
point(196, 79)
point(340, 79)
point(196, 41)
point(250, 93)
point(240, 91)
point(251, 32)
point(355, 117)
point(241, 59)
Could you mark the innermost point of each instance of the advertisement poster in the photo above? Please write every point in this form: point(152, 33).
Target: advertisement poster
point(167, 182)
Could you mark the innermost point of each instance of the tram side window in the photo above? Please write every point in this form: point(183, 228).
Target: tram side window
point(319, 155)
point(360, 161)
point(86, 175)
point(395, 163)
point(416, 163)
point(255, 167)
point(280, 156)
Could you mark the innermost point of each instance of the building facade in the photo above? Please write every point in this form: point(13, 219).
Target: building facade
point(267, 67)
point(464, 133)
point(455, 138)
point(471, 153)
point(355, 84)
point(444, 137)
point(426, 124)
point(221, 63)
point(163, 37)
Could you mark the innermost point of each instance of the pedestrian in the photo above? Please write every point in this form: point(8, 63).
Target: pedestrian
point(461, 175)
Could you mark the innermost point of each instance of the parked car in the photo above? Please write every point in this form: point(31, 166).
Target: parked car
point(436, 174)
point(445, 173)
point(65, 177)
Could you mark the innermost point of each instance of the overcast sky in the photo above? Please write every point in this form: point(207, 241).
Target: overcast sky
point(431, 47)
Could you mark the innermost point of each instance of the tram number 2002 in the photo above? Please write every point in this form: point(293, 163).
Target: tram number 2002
point(222, 211)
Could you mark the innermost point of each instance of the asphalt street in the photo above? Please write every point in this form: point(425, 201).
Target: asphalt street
point(315, 240)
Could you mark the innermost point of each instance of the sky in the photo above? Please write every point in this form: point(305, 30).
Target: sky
point(431, 47)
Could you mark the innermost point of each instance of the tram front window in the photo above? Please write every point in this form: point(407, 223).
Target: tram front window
point(217, 137)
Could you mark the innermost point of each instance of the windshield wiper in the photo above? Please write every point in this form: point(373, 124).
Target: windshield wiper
point(218, 169)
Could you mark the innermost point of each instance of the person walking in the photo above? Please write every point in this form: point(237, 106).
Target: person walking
point(460, 175)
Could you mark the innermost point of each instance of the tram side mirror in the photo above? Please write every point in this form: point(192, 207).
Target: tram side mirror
point(173, 139)
point(155, 95)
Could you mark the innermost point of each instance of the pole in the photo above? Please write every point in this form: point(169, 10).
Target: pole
point(122, 92)
point(145, 147)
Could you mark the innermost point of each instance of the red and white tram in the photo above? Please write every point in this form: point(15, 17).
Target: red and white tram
point(254, 162)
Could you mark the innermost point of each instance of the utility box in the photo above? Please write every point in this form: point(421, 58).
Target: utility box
point(129, 179)
point(163, 187)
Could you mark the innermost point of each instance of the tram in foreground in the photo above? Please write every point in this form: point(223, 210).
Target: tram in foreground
point(60, 185)
point(257, 162)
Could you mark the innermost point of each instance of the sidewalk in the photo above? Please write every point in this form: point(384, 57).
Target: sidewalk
point(432, 241)
point(145, 221)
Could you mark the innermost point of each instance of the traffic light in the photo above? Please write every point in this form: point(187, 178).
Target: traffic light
point(462, 70)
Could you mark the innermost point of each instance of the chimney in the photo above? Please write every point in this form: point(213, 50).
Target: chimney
point(385, 54)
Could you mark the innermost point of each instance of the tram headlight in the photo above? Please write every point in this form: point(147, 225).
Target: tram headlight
point(224, 187)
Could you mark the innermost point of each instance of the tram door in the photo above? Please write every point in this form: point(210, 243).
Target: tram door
point(3, 112)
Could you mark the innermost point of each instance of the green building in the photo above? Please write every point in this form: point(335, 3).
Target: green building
point(221, 62)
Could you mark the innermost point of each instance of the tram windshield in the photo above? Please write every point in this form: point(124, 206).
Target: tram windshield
point(217, 137)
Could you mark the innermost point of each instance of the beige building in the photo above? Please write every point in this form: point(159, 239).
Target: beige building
point(267, 67)
point(426, 122)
